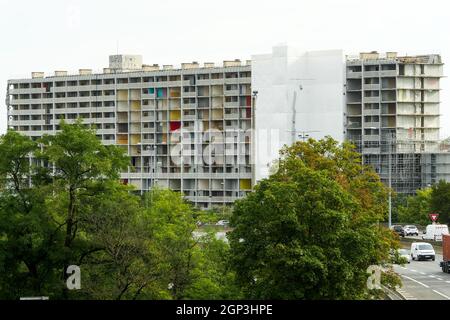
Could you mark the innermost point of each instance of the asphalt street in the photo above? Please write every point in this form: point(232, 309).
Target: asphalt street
point(424, 280)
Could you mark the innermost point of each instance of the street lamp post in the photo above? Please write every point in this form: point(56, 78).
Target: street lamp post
point(304, 135)
point(390, 179)
point(253, 142)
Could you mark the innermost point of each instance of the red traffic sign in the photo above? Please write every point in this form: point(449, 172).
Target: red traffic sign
point(434, 216)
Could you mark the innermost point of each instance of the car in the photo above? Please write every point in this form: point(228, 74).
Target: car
point(422, 251)
point(222, 223)
point(404, 253)
point(435, 232)
point(398, 230)
point(411, 230)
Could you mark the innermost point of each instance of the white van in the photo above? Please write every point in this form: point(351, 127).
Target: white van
point(435, 232)
point(422, 251)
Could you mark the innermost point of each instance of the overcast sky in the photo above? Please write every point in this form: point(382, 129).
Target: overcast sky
point(48, 35)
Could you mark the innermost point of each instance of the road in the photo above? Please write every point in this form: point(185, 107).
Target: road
point(424, 280)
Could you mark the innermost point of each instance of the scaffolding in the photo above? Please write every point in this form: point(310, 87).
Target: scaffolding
point(399, 158)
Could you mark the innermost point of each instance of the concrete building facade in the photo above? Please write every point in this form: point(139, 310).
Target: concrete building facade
point(392, 113)
point(192, 128)
point(176, 124)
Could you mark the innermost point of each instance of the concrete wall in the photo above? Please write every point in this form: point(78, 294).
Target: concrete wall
point(127, 62)
point(297, 91)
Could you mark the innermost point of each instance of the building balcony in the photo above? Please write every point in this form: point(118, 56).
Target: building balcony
point(27, 90)
point(148, 130)
point(231, 92)
point(28, 112)
point(371, 86)
point(354, 75)
point(231, 116)
point(231, 80)
point(354, 125)
point(189, 94)
point(371, 124)
point(189, 105)
point(371, 112)
point(388, 73)
point(233, 104)
point(374, 99)
point(371, 150)
point(217, 81)
point(371, 137)
point(189, 117)
point(371, 74)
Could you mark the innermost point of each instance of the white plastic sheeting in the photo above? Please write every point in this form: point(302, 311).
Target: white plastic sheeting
point(299, 92)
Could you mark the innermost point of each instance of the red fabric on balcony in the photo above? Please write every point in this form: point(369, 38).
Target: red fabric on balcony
point(175, 125)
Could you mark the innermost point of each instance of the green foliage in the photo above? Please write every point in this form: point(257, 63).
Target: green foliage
point(117, 264)
point(171, 223)
point(216, 213)
point(399, 201)
point(214, 278)
point(440, 200)
point(417, 208)
point(310, 230)
point(76, 212)
point(28, 236)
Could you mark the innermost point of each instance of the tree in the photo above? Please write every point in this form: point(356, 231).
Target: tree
point(120, 264)
point(79, 167)
point(171, 225)
point(440, 200)
point(310, 230)
point(40, 232)
point(213, 277)
point(70, 208)
point(28, 236)
point(79, 164)
point(417, 208)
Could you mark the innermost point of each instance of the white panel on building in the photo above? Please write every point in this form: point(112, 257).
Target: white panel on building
point(299, 92)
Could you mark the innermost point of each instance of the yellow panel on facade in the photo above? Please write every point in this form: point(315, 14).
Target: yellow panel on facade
point(245, 184)
point(164, 138)
point(175, 115)
point(122, 139)
point(135, 105)
point(217, 114)
point(175, 92)
point(135, 138)
point(122, 95)
point(135, 94)
point(205, 125)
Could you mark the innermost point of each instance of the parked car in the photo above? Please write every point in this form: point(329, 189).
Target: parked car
point(404, 253)
point(435, 232)
point(398, 230)
point(222, 223)
point(411, 230)
point(422, 251)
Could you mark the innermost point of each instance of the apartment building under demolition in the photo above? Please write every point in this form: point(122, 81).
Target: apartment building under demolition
point(186, 128)
point(189, 128)
point(149, 111)
point(392, 113)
